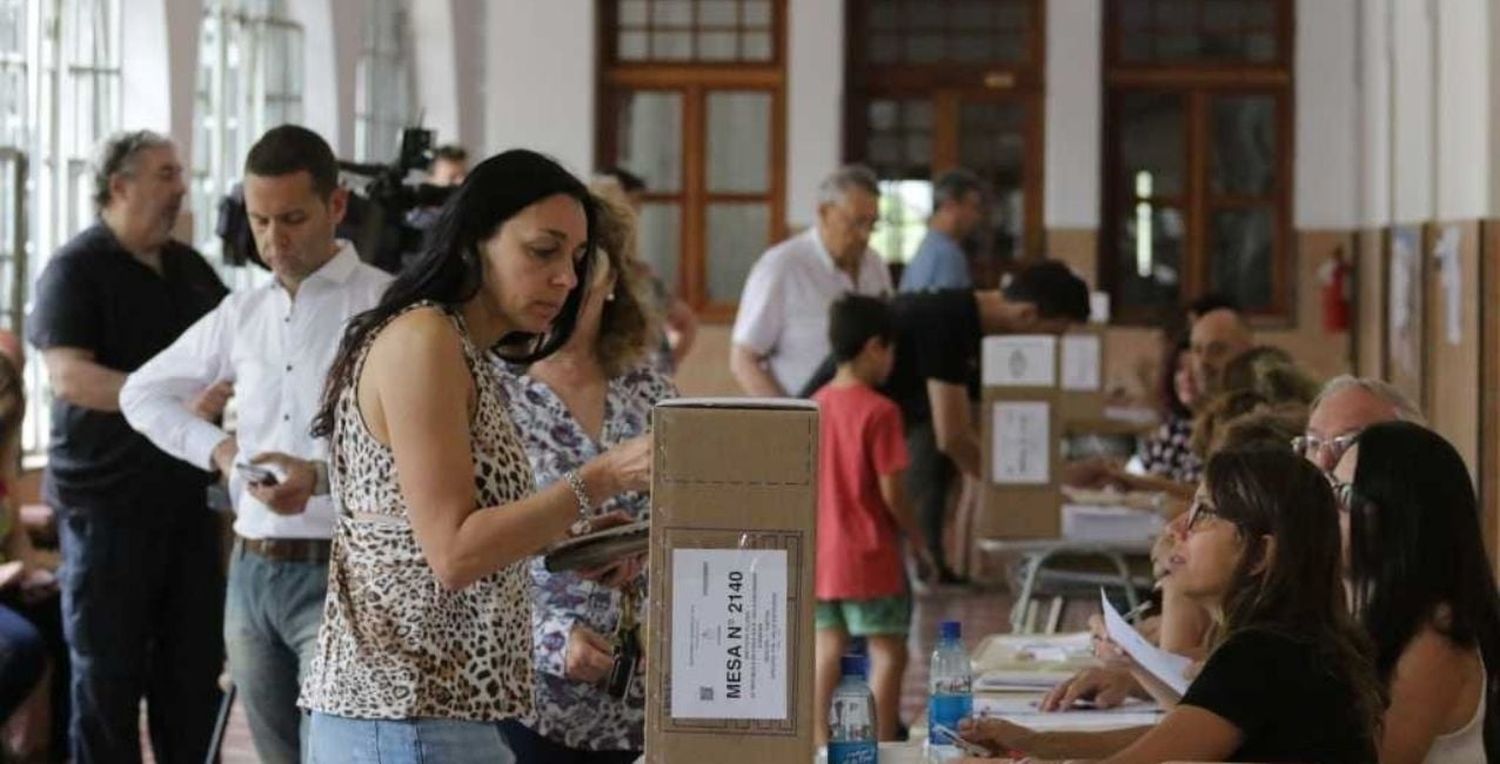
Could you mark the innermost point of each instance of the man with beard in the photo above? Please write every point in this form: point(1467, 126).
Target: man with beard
point(142, 591)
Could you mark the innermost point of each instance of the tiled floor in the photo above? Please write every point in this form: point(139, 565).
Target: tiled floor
point(982, 612)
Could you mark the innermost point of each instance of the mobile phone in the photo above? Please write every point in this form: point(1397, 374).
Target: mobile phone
point(257, 475)
point(969, 748)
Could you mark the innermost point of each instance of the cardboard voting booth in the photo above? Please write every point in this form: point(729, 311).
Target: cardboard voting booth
point(729, 637)
point(1033, 387)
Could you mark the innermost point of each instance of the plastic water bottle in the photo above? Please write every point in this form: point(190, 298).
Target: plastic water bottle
point(952, 687)
point(851, 718)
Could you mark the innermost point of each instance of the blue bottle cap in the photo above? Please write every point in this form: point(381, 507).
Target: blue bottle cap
point(950, 630)
point(853, 665)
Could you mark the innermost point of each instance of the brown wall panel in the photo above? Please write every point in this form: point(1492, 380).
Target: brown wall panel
point(1452, 370)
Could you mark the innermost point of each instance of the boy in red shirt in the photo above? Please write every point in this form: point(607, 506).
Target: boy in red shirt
point(862, 513)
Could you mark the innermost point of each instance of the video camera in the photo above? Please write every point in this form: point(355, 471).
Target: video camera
point(387, 217)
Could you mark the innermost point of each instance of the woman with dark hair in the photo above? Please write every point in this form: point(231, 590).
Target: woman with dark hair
point(1289, 677)
point(426, 640)
point(1166, 453)
point(1423, 588)
point(595, 391)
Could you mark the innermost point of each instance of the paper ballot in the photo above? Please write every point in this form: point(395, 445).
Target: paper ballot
point(1170, 668)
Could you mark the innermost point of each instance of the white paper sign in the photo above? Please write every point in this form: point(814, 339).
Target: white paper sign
point(1019, 360)
point(1080, 362)
point(1450, 271)
point(729, 634)
point(1170, 668)
point(1021, 440)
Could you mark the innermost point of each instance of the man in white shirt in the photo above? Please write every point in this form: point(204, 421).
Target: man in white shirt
point(273, 344)
point(781, 331)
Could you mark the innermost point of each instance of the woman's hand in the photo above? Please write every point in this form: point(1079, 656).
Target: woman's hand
point(1101, 687)
point(628, 466)
point(589, 655)
point(1000, 736)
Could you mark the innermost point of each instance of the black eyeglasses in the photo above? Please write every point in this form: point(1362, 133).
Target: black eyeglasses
point(1197, 512)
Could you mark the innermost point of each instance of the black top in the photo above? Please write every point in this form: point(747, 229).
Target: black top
point(1285, 699)
point(937, 337)
point(94, 295)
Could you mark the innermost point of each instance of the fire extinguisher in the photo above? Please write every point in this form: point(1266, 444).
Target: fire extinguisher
point(1335, 279)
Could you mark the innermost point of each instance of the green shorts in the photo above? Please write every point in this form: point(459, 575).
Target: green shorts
point(877, 617)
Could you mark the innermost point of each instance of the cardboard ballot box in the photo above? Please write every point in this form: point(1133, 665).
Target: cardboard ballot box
point(729, 635)
point(1020, 428)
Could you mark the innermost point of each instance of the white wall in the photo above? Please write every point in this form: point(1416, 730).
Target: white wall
point(1071, 148)
point(1326, 101)
point(540, 79)
point(1462, 128)
point(159, 68)
point(1373, 114)
point(435, 65)
point(1411, 112)
point(815, 95)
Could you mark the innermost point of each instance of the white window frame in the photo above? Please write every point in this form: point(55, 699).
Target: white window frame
point(250, 79)
point(384, 68)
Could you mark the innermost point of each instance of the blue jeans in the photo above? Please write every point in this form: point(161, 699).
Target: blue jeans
point(340, 740)
point(271, 616)
point(23, 659)
point(143, 613)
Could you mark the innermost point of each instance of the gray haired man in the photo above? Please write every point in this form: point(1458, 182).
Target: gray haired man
point(958, 206)
point(142, 588)
point(781, 330)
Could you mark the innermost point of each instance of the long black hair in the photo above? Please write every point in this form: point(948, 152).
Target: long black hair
point(450, 270)
point(1415, 547)
point(1299, 594)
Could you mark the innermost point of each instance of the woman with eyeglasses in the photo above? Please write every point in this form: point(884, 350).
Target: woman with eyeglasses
point(1423, 588)
point(1290, 676)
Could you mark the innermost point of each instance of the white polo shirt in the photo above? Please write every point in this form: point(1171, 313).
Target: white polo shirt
point(783, 311)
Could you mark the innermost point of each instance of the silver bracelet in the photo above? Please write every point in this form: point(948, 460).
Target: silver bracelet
point(585, 507)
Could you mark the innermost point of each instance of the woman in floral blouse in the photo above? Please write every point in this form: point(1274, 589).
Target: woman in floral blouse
point(595, 391)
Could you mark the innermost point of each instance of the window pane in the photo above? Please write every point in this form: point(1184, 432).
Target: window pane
point(649, 137)
point(905, 206)
point(633, 13)
point(1242, 243)
point(633, 46)
point(1151, 138)
point(717, 13)
point(737, 234)
point(1215, 31)
point(992, 143)
point(672, 13)
point(757, 46)
point(739, 141)
point(659, 238)
point(672, 46)
point(716, 46)
point(1243, 134)
point(757, 13)
point(1149, 255)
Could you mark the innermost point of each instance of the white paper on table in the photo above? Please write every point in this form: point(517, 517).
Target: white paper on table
point(1450, 268)
point(1029, 705)
point(729, 634)
point(1170, 668)
point(1019, 360)
point(1021, 441)
point(1080, 362)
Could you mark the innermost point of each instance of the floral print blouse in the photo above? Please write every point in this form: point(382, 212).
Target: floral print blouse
point(574, 714)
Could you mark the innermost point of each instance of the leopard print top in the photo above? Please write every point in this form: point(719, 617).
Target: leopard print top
point(394, 643)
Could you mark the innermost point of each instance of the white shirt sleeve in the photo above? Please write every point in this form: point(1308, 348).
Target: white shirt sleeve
point(758, 323)
point(156, 399)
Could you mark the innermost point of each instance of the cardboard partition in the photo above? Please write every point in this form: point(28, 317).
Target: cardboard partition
point(1080, 373)
point(1021, 425)
point(729, 634)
